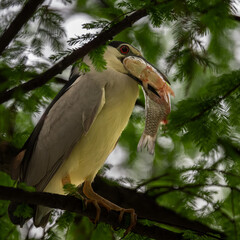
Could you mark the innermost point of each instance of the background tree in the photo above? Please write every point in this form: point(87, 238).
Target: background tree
point(190, 189)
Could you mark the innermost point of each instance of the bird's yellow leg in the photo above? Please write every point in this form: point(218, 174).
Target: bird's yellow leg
point(97, 200)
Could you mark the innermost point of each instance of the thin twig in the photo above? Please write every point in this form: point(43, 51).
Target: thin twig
point(236, 18)
point(151, 180)
point(9, 235)
point(180, 188)
point(180, 171)
point(233, 213)
point(20, 20)
point(208, 200)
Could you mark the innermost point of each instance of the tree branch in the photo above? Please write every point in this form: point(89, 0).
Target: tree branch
point(146, 207)
point(23, 16)
point(210, 169)
point(73, 204)
point(101, 39)
point(60, 80)
point(236, 18)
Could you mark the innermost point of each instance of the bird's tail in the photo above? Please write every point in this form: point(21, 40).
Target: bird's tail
point(41, 215)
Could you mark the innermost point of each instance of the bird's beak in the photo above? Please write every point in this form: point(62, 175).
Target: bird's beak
point(148, 76)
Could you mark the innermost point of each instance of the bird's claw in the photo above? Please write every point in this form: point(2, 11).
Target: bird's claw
point(133, 218)
point(96, 205)
point(131, 211)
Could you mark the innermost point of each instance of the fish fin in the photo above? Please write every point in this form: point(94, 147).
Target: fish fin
point(147, 141)
point(164, 122)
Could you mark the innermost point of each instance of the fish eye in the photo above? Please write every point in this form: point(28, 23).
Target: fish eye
point(124, 49)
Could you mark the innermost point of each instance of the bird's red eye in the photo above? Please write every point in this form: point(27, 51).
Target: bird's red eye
point(124, 49)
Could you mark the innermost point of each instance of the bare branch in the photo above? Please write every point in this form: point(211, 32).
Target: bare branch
point(101, 39)
point(180, 171)
point(23, 16)
point(170, 188)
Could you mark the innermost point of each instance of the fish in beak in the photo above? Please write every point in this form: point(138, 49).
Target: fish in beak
point(157, 93)
point(153, 81)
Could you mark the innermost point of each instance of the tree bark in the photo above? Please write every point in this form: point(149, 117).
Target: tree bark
point(146, 208)
point(76, 205)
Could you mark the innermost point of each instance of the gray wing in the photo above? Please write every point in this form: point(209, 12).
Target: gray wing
point(66, 122)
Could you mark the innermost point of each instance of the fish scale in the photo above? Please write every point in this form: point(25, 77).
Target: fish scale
point(155, 114)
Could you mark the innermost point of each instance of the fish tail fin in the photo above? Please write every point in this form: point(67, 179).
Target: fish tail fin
point(147, 141)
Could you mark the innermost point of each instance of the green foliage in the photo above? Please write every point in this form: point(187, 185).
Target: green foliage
point(25, 187)
point(23, 210)
point(81, 39)
point(7, 229)
point(196, 168)
point(82, 66)
point(5, 180)
point(143, 34)
point(188, 235)
point(96, 56)
point(70, 189)
point(103, 231)
point(96, 24)
point(65, 220)
point(83, 229)
point(204, 118)
point(59, 55)
point(49, 28)
point(10, 3)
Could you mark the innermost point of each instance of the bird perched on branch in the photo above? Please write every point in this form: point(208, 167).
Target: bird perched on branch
point(78, 131)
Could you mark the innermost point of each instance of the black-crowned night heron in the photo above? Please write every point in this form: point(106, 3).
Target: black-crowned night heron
point(80, 129)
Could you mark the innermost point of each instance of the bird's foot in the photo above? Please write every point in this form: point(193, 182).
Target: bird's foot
point(96, 205)
point(97, 201)
point(133, 218)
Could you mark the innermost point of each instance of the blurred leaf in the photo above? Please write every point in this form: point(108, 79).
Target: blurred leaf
point(195, 169)
point(23, 210)
point(5, 180)
point(98, 61)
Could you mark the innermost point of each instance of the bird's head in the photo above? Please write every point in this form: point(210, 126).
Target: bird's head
point(128, 60)
point(116, 52)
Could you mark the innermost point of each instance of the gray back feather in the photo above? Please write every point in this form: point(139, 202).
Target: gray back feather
point(61, 127)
